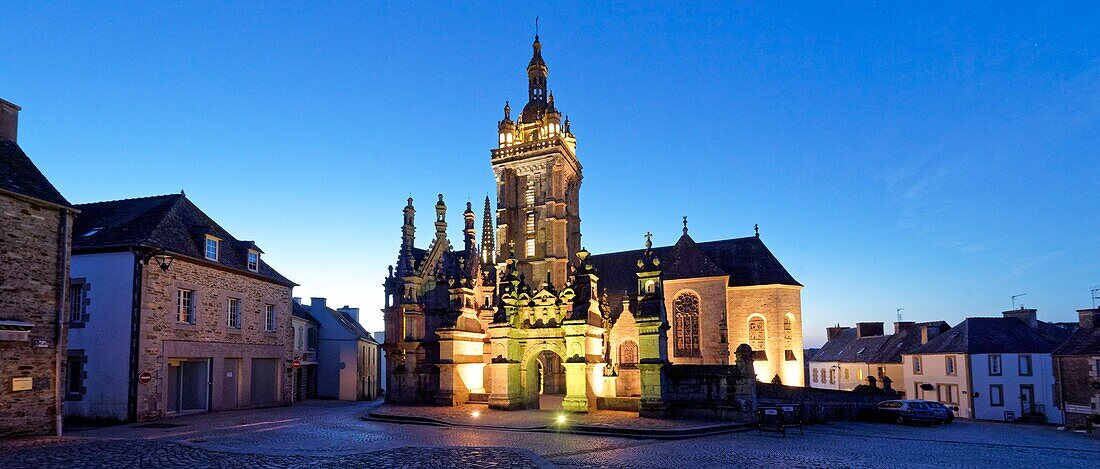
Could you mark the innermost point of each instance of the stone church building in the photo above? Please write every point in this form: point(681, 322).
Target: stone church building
point(524, 317)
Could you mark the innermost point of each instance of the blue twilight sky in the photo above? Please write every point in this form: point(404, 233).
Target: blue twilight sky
point(938, 158)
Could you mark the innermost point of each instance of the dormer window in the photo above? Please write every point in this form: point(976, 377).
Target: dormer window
point(212, 248)
point(253, 261)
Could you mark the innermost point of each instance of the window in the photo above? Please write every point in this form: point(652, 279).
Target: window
point(212, 249)
point(686, 307)
point(881, 372)
point(75, 374)
point(787, 327)
point(815, 375)
point(1025, 365)
point(947, 393)
point(628, 353)
point(253, 261)
point(832, 376)
point(757, 332)
point(78, 301)
point(949, 364)
point(996, 395)
point(233, 313)
point(530, 247)
point(916, 365)
point(847, 373)
point(311, 338)
point(185, 306)
point(1096, 373)
point(269, 318)
point(650, 286)
point(859, 374)
point(994, 365)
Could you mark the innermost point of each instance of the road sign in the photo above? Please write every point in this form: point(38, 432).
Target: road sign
point(296, 364)
point(145, 377)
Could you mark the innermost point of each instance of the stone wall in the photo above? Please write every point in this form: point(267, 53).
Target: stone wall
point(33, 277)
point(774, 303)
point(163, 337)
point(713, 344)
point(820, 405)
point(1074, 376)
point(710, 391)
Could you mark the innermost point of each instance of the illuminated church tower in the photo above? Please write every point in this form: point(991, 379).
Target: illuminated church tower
point(538, 180)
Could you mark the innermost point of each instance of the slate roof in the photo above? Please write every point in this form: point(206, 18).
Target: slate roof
point(1081, 342)
point(747, 262)
point(170, 222)
point(846, 348)
point(301, 312)
point(18, 174)
point(995, 335)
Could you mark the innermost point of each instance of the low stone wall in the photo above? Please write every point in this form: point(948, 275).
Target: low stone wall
point(720, 392)
point(820, 405)
point(628, 404)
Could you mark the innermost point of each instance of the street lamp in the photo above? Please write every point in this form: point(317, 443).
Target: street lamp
point(162, 258)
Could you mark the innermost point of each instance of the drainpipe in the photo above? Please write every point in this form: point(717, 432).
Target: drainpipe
point(1061, 391)
point(135, 338)
point(63, 281)
point(970, 386)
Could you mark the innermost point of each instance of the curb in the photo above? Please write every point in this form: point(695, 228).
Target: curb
point(618, 432)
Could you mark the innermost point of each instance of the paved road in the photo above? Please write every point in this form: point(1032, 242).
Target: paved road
point(329, 434)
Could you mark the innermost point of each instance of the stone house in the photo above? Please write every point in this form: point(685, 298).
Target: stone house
point(854, 354)
point(35, 232)
point(178, 316)
point(348, 357)
point(1077, 370)
point(989, 368)
point(305, 351)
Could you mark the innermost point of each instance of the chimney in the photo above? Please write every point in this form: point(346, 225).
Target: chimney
point(899, 325)
point(868, 329)
point(353, 312)
point(1089, 318)
point(297, 300)
point(317, 302)
point(1026, 315)
point(831, 332)
point(9, 120)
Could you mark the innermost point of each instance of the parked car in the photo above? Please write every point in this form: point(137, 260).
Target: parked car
point(943, 413)
point(904, 411)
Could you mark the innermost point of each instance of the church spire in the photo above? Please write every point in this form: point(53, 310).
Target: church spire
point(536, 84)
point(488, 245)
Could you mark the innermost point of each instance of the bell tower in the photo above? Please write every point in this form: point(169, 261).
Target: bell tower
point(538, 182)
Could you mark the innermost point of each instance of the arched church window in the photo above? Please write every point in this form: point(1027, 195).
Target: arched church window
point(687, 325)
point(628, 353)
point(756, 333)
point(787, 327)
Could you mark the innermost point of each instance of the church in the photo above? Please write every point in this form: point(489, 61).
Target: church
point(524, 317)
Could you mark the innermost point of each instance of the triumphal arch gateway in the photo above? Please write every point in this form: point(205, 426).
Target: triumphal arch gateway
point(524, 313)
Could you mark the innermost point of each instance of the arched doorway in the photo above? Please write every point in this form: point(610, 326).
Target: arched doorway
point(545, 381)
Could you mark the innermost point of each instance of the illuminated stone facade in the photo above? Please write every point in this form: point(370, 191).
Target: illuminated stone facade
point(528, 314)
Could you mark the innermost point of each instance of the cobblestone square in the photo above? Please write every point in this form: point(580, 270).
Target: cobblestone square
point(331, 434)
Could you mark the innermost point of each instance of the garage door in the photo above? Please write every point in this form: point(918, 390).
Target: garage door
point(265, 381)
